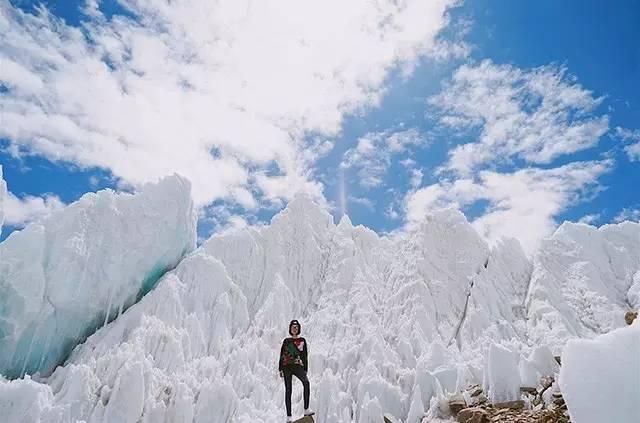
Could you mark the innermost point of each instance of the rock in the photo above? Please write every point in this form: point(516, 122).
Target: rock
point(480, 399)
point(456, 403)
point(473, 415)
point(558, 359)
point(513, 405)
point(529, 390)
point(545, 383)
point(630, 316)
point(388, 418)
point(475, 391)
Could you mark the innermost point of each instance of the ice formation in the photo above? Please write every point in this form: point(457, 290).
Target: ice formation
point(600, 378)
point(66, 276)
point(502, 378)
point(392, 323)
point(583, 282)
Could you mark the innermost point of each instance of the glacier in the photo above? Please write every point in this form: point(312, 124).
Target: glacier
point(584, 280)
point(394, 322)
point(66, 276)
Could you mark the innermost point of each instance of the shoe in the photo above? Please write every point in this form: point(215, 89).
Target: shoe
point(309, 412)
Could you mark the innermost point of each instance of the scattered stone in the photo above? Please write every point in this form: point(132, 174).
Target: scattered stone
point(473, 415)
point(388, 418)
point(480, 399)
point(630, 316)
point(513, 405)
point(530, 409)
point(456, 403)
point(475, 391)
point(546, 382)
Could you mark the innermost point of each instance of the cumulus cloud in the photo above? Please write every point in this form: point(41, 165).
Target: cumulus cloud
point(21, 211)
point(633, 137)
point(521, 204)
point(364, 202)
point(372, 155)
point(533, 115)
point(628, 213)
point(517, 119)
point(224, 93)
point(590, 219)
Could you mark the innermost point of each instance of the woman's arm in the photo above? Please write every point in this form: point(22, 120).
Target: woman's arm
point(281, 356)
point(304, 356)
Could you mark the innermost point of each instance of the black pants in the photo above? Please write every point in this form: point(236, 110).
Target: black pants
point(299, 372)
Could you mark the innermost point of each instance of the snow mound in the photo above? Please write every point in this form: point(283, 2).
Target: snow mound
point(583, 282)
point(66, 276)
point(600, 378)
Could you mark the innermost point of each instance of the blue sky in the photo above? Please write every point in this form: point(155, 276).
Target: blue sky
point(385, 155)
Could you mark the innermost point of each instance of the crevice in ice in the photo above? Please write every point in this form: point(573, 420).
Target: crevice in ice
point(39, 356)
point(472, 281)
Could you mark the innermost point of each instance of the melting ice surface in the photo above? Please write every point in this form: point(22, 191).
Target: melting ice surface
point(601, 377)
point(392, 322)
point(64, 277)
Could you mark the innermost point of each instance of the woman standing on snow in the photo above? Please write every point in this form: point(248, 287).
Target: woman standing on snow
point(293, 361)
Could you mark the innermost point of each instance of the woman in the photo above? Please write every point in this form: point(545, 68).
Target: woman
point(293, 361)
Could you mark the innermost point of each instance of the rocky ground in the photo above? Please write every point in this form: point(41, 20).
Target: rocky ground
point(542, 404)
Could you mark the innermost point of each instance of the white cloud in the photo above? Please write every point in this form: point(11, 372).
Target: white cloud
point(522, 204)
point(374, 152)
point(531, 116)
point(391, 212)
point(631, 214)
point(416, 178)
point(364, 202)
point(91, 8)
point(534, 115)
point(632, 136)
point(247, 79)
point(21, 211)
point(589, 219)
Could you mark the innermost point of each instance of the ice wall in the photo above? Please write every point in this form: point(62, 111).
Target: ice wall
point(600, 378)
point(583, 282)
point(66, 276)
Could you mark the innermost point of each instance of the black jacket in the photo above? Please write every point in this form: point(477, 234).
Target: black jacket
point(289, 351)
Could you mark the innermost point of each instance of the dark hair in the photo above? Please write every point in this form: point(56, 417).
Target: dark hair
point(294, 322)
